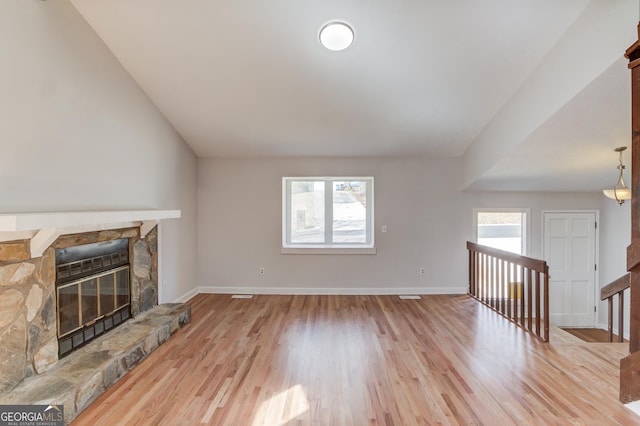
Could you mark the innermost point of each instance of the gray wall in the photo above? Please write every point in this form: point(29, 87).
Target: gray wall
point(77, 133)
point(428, 220)
point(615, 232)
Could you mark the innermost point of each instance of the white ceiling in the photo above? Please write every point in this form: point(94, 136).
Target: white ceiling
point(576, 145)
point(250, 78)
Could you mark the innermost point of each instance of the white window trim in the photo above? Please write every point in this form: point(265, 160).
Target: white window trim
point(525, 227)
point(327, 250)
point(346, 248)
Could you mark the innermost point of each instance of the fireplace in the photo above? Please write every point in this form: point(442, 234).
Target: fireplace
point(40, 265)
point(93, 292)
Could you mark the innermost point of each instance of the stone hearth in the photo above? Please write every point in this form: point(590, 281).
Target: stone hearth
point(78, 379)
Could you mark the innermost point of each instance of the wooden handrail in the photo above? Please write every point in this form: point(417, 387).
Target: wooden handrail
point(608, 292)
point(615, 287)
point(527, 262)
point(515, 286)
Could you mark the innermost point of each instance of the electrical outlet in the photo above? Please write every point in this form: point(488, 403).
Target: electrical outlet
point(421, 271)
point(164, 285)
point(384, 228)
point(262, 270)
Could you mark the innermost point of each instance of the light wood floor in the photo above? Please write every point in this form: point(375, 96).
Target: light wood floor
point(356, 360)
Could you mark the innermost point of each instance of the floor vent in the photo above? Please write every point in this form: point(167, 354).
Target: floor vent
point(409, 297)
point(242, 296)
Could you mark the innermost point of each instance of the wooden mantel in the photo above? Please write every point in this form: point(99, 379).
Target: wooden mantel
point(44, 228)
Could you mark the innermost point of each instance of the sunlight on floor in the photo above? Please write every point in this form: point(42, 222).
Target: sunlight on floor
point(282, 407)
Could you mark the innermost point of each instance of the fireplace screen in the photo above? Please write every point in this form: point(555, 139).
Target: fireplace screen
point(92, 291)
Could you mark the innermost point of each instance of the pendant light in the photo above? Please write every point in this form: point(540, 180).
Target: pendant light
point(620, 192)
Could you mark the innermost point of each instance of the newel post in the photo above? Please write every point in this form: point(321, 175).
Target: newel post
point(630, 365)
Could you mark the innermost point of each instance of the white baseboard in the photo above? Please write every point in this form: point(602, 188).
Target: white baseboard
point(634, 406)
point(331, 291)
point(615, 330)
point(185, 297)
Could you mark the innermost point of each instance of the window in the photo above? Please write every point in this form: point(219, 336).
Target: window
point(327, 213)
point(502, 229)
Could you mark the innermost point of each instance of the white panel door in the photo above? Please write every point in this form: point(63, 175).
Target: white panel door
point(569, 249)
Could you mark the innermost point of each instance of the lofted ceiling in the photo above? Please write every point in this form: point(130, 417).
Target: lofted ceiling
point(250, 78)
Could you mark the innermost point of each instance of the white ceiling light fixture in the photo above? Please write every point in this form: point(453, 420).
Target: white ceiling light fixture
point(620, 192)
point(336, 35)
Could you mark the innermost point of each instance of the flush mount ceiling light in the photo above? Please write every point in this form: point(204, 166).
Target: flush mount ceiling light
point(336, 36)
point(620, 192)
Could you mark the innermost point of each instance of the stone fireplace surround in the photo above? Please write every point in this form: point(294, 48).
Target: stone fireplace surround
point(28, 337)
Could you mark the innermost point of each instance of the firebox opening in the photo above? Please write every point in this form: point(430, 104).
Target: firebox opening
point(93, 291)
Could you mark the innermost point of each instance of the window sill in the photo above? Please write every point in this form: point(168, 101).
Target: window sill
point(328, 250)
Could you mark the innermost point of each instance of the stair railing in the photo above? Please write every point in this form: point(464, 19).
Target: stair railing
point(515, 286)
point(608, 292)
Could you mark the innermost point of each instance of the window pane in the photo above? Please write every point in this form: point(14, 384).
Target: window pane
point(327, 212)
point(307, 212)
point(501, 230)
point(349, 212)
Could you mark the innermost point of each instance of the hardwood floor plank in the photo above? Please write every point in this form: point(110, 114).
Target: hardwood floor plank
point(355, 360)
point(592, 335)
